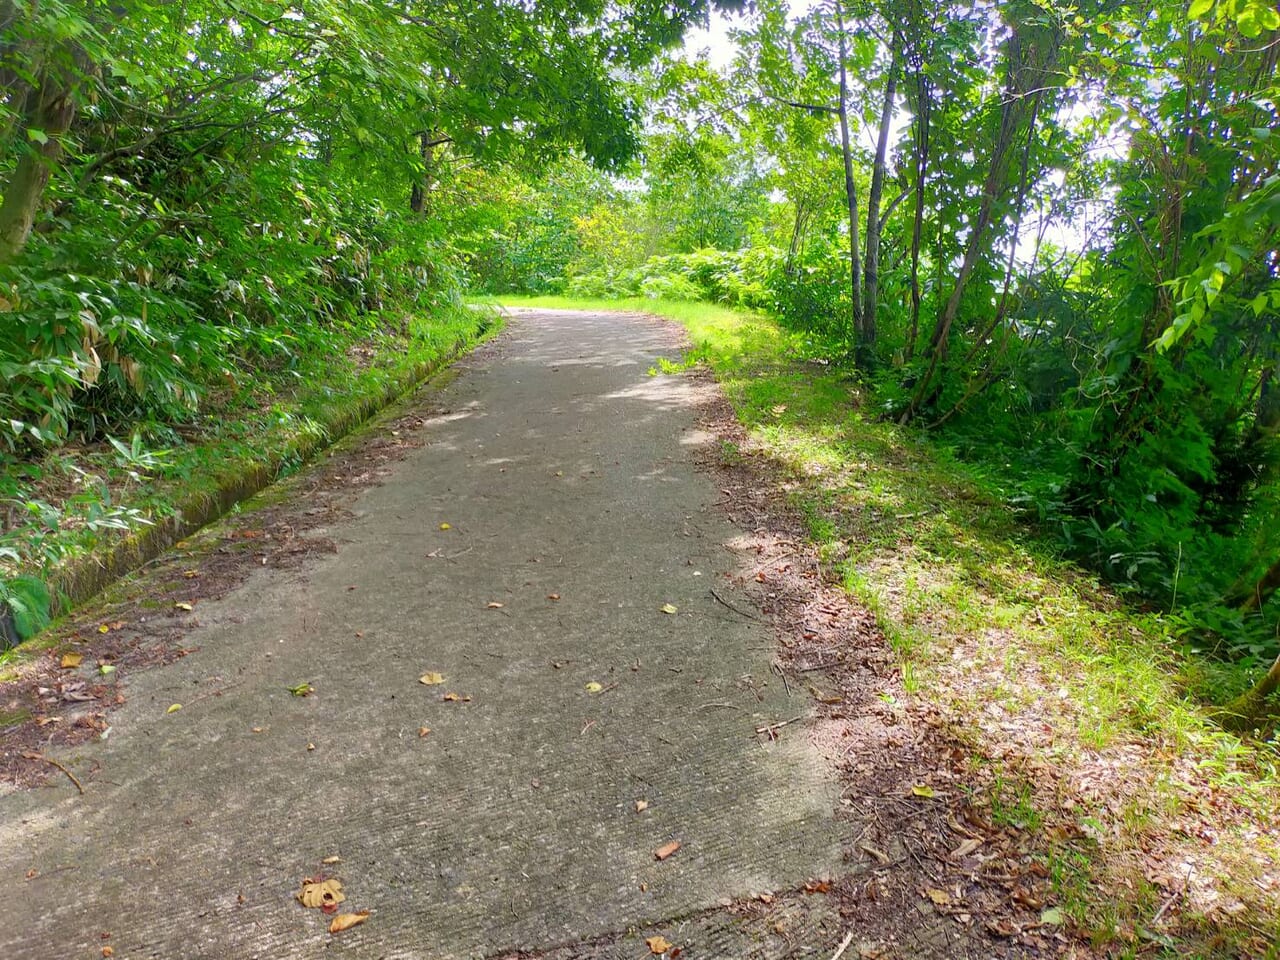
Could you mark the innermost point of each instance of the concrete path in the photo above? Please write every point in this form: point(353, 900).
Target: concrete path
point(563, 469)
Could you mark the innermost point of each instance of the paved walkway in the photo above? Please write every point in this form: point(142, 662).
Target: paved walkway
point(564, 471)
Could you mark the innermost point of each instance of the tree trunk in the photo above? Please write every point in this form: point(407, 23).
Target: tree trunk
point(871, 291)
point(851, 195)
point(923, 108)
point(1250, 709)
point(52, 107)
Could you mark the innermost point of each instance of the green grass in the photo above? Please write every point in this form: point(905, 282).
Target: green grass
point(1030, 659)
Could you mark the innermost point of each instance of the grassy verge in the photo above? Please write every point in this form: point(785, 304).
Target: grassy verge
point(1158, 828)
point(86, 514)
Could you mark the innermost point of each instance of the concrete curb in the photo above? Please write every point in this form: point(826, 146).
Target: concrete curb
point(79, 580)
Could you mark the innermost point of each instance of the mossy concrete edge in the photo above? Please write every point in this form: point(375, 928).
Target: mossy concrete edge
point(80, 580)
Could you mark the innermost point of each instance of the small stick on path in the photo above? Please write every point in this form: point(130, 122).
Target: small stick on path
point(844, 945)
point(779, 725)
point(739, 612)
point(52, 762)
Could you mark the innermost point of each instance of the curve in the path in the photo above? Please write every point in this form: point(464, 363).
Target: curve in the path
point(562, 467)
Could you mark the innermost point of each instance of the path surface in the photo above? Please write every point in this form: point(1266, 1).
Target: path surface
point(564, 469)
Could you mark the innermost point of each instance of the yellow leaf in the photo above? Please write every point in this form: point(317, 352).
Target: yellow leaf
point(71, 660)
point(666, 850)
point(431, 679)
point(345, 921)
point(594, 687)
point(940, 897)
point(183, 606)
point(104, 629)
point(669, 608)
point(923, 790)
point(658, 945)
point(324, 893)
point(446, 526)
point(174, 708)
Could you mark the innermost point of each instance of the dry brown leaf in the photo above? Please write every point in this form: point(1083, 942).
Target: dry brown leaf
point(108, 952)
point(345, 921)
point(817, 886)
point(658, 945)
point(642, 805)
point(666, 850)
point(966, 848)
point(329, 860)
point(71, 660)
point(876, 852)
point(495, 605)
point(321, 893)
point(553, 596)
point(423, 731)
point(431, 678)
point(457, 698)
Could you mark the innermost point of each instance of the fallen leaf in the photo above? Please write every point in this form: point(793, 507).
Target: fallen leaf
point(495, 605)
point(106, 669)
point(642, 806)
point(593, 687)
point(658, 945)
point(669, 608)
point(329, 860)
point(553, 596)
point(666, 850)
point(180, 605)
point(1001, 928)
point(923, 790)
point(431, 679)
point(319, 893)
point(191, 574)
point(423, 731)
point(446, 526)
point(174, 708)
point(876, 852)
point(104, 629)
point(311, 746)
point(71, 660)
point(255, 729)
point(345, 921)
point(817, 886)
point(940, 897)
point(1052, 916)
point(302, 690)
point(108, 952)
point(457, 698)
point(966, 848)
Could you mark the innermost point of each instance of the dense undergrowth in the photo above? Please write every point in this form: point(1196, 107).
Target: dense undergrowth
point(1083, 710)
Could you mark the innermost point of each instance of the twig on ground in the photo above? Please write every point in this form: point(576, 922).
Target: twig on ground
point(52, 762)
point(738, 611)
point(769, 728)
point(777, 667)
point(844, 945)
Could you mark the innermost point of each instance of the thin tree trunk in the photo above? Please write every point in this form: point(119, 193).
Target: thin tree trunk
point(52, 108)
point(871, 292)
point(850, 192)
point(1011, 114)
point(923, 110)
